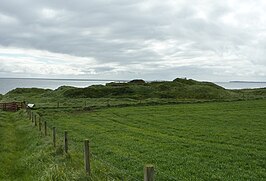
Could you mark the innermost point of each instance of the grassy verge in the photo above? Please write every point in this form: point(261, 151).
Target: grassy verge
point(28, 155)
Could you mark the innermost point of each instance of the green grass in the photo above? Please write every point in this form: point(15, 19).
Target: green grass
point(207, 141)
point(27, 155)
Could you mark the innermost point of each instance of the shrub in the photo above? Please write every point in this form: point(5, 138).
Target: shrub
point(137, 81)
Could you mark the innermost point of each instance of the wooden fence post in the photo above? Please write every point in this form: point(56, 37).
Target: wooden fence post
point(40, 124)
point(32, 117)
point(66, 141)
point(57, 104)
point(87, 156)
point(149, 173)
point(35, 120)
point(30, 114)
point(45, 128)
point(54, 140)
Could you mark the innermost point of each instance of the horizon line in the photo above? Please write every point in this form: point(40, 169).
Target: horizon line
point(73, 79)
point(120, 80)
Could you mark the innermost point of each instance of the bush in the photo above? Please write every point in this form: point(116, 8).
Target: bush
point(186, 81)
point(137, 81)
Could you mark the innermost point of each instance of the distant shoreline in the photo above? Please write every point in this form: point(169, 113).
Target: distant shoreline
point(255, 82)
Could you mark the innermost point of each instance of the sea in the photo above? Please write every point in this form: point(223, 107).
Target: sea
point(8, 84)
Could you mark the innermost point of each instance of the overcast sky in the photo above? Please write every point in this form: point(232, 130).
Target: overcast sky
point(210, 40)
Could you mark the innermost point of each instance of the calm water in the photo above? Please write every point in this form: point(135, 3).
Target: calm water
point(9, 84)
point(241, 85)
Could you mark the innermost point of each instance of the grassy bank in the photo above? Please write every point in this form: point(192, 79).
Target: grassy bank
point(27, 155)
point(208, 141)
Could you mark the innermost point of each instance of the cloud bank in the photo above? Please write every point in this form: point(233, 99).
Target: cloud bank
point(117, 39)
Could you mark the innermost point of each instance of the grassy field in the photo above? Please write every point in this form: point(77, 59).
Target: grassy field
point(206, 141)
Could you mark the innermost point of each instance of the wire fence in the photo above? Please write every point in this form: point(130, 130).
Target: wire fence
point(99, 167)
point(94, 103)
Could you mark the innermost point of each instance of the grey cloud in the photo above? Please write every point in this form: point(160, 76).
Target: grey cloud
point(125, 33)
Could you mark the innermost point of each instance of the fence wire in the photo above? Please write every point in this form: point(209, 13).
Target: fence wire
point(106, 169)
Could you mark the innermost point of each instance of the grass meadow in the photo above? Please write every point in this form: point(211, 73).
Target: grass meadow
point(204, 141)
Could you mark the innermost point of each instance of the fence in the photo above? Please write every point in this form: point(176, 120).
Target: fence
point(149, 172)
point(12, 106)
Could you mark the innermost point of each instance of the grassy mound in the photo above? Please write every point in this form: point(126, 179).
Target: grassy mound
point(138, 89)
point(133, 92)
point(21, 94)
